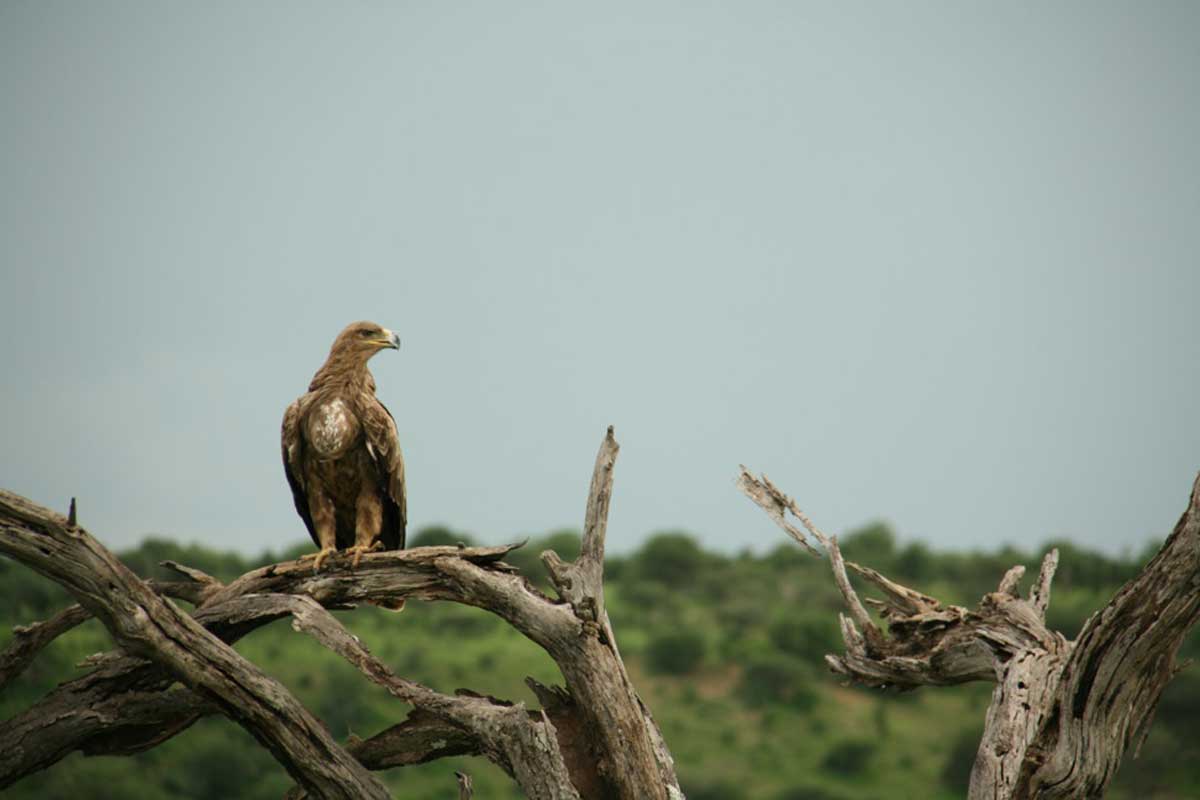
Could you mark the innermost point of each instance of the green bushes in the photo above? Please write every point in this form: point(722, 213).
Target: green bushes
point(957, 770)
point(873, 544)
point(850, 757)
point(528, 558)
point(726, 651)
point(769, 679)
point(439, 535)
point(807, 791)
point(672, 559)
point(720, 789)
point(805, 636)
point(676, 652)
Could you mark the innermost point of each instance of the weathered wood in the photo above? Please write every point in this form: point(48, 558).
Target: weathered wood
point(96, 718)
point(1062, 713)
point(230, 614)
point(520, 742)
point(1122, 661)
point(582, 583)
point(466, 787)
point(632, 761)
point(28, 641)
point(595, 740)
point(148, 626)
point(422, 737)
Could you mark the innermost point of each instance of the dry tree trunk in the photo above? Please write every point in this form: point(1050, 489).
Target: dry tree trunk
point(594, 738)
point(1062, 713)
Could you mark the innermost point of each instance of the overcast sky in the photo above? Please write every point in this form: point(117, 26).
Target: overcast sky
point(933, 263)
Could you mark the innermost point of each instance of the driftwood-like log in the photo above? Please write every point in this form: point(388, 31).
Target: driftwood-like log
point(1062, 713)
point(147, 625)
point(594, 738)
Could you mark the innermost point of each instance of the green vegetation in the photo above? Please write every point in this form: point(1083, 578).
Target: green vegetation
point(727, 651)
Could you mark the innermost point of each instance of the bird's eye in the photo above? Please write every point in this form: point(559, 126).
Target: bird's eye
point(364, 332)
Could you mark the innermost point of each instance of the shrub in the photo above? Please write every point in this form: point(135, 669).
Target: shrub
point(672, 559)
point(676, 653)
point(956, 773)
point(720, 789)
point(771, 680)
point(808, 791)
point(916, 563)
point(849, 757)
point(439, 535)
point(810, 637)
point(873, 544)
point(528, 558)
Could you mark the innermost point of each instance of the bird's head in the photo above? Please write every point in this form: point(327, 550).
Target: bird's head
point(361, 340)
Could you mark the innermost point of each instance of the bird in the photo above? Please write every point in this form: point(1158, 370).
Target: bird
point(341, 452)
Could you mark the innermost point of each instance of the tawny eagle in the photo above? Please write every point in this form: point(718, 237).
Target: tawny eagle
point(342, 454)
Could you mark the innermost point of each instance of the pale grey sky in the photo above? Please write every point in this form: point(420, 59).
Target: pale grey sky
point(934, 263)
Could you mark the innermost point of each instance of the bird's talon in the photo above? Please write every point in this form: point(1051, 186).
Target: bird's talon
point(319, 557)
point(358, 551)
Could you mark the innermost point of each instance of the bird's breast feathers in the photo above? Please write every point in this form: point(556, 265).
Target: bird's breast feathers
point(332, 428)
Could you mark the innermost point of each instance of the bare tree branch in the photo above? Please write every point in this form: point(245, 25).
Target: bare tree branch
point(1039, 593)
point(1011, 581)
point(96, 722)
point(595, 739)
point(420, 738)
point(777, 505)
point(611, 716)
point(581, 584)
point(1122, 661)
point(1062, 713)
point(520, 742)
point(466, 787)
point(387, 576)
point(149, 626)
point(28, 641)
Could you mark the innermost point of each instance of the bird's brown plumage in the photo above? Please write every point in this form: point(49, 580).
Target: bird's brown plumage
point(342, 454)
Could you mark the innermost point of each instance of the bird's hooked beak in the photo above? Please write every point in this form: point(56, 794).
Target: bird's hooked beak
point(389, 339)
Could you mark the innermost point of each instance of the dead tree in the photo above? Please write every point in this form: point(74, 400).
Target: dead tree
point(1063, 712)
point(591, 738)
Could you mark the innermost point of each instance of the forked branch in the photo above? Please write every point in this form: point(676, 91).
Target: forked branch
point(147, 625)
point(1062, 713)
point(595, 738)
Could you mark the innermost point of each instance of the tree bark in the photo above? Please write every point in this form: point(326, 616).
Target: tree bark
point(1062, 713)
point(28, 641)
point(147, 625)
point(594, 739)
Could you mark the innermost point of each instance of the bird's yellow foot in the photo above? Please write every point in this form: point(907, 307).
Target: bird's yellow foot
point(359, 549)
point(319, 557)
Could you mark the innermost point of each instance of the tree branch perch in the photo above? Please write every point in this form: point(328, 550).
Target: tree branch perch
point(596, 739)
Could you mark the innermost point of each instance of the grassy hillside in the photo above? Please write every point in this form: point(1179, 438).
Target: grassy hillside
point(726, 651)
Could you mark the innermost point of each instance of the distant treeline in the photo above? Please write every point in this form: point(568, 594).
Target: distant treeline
point(727, 650)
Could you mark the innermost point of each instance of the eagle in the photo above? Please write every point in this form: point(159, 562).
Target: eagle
point(342, 454)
